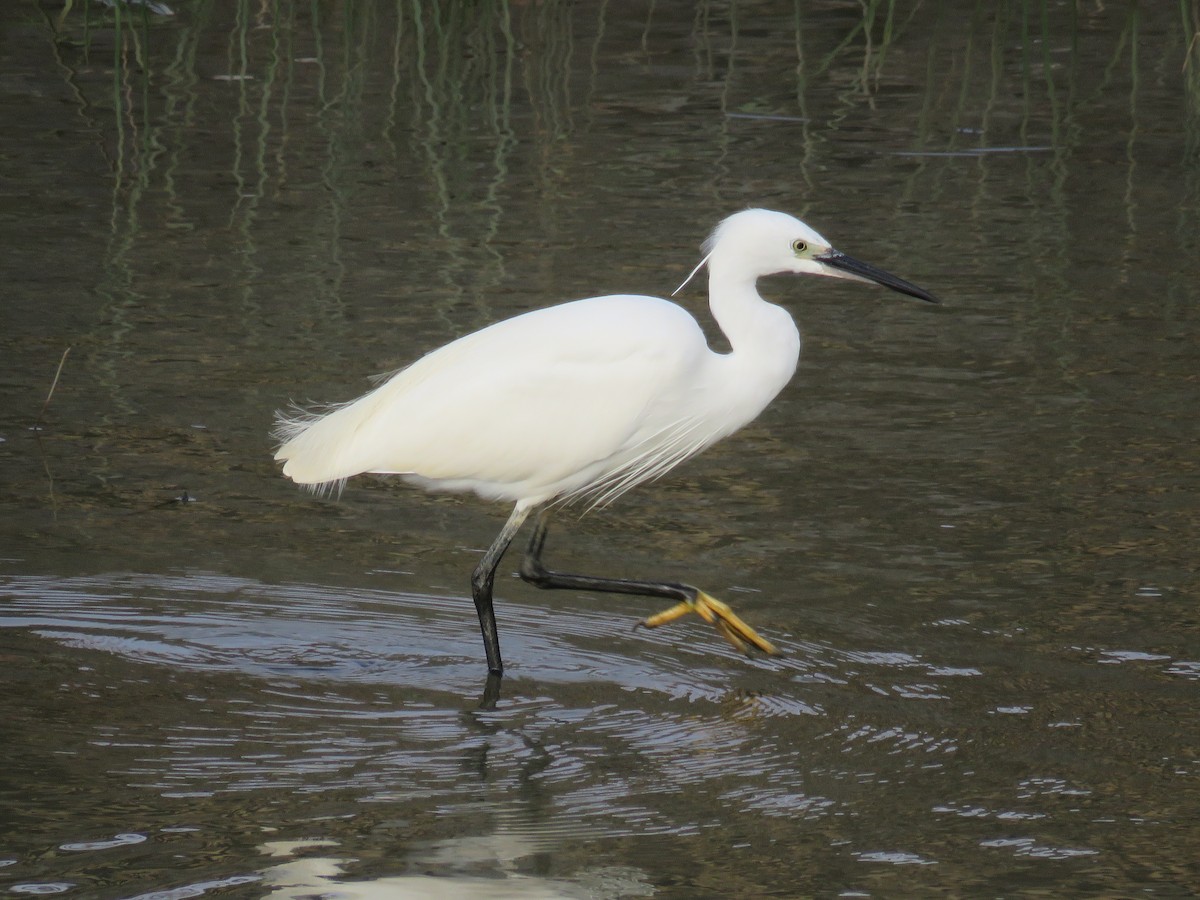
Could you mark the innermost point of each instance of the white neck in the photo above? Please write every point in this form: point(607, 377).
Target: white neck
point(751, 324)
point(764, 342)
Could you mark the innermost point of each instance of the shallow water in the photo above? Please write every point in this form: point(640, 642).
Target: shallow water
point(971, 529)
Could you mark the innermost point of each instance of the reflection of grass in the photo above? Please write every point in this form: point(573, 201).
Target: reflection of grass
point(1191, 80)
point(1188, 226)
point(453, 93)
point(473, 131)
point(871, 36)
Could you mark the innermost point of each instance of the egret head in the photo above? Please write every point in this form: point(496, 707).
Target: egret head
point(757, 242)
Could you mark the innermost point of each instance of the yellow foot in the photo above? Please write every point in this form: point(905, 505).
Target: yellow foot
point(716, 613)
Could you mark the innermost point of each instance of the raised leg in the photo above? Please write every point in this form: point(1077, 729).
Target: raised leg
point(482, 580)
point(690, 599)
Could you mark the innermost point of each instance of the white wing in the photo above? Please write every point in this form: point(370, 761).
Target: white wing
point(594, 393)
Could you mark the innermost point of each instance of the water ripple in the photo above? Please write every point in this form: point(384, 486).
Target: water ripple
point(315, 691)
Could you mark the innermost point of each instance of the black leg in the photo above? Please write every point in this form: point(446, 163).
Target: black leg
point(537, 574)
point(491, 691)
point(481, 587)
point(688, 598)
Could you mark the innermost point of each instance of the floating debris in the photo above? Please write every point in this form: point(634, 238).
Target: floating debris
point(975, 151)
point(159, 9)
point(766, 117)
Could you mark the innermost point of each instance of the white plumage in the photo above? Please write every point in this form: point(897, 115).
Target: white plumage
point(585, 399)
point(516, 411)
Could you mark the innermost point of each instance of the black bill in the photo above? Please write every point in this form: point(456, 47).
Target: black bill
point(848, 264)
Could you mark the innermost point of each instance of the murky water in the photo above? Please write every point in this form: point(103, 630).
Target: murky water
point(971, 529)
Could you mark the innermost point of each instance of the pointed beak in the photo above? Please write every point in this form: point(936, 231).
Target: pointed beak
point(849, 267)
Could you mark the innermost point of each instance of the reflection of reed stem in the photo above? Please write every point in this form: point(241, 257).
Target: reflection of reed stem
point(62, 362)
point(1191, 85)
point(37, 435)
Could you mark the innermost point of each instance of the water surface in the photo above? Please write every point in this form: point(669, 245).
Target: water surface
point(970, 529)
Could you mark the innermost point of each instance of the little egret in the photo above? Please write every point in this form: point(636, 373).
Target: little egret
point(583, 401)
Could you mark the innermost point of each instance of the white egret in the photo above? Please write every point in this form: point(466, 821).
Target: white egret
point(583, 401)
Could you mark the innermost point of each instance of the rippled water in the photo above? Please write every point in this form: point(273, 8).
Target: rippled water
point(970, 529)
point(175, 709)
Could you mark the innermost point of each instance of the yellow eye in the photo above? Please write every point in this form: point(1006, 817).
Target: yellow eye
point(799, 246)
